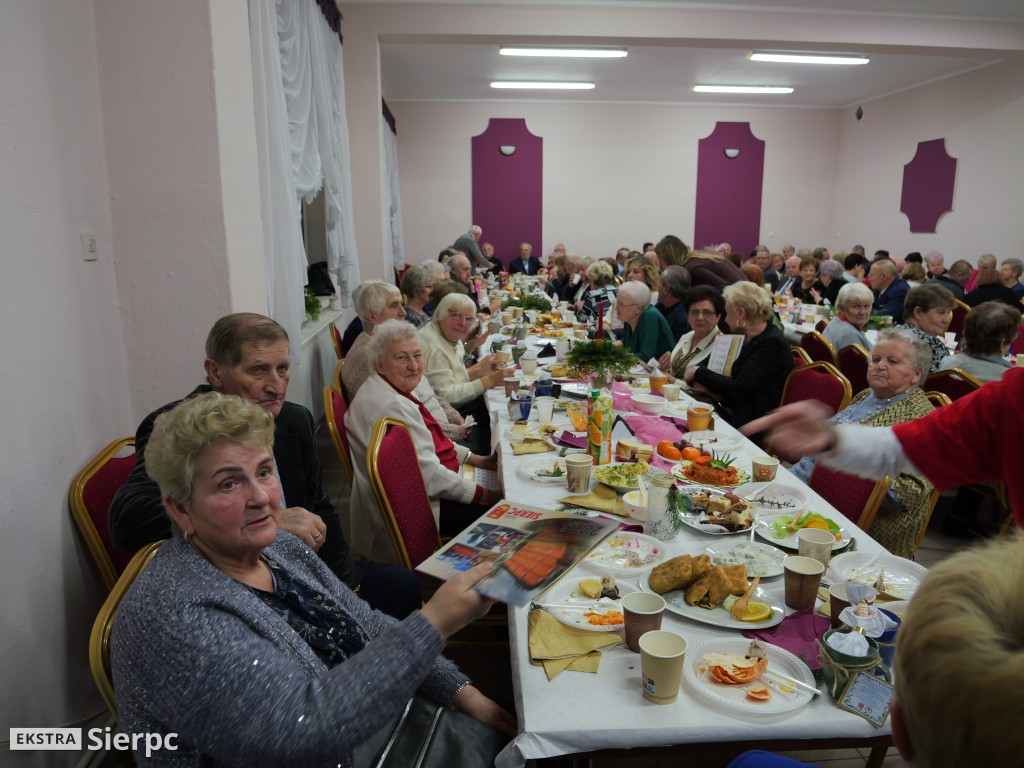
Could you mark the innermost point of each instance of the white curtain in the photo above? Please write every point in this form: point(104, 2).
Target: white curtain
point(391, 197)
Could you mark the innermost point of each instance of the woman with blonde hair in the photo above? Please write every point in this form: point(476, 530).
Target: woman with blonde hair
point(754, 385)
point(643, 271)
point(705, 267)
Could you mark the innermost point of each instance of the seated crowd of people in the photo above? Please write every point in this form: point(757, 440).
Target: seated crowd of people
point(257, 557)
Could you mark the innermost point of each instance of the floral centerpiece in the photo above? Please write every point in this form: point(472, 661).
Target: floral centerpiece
point(599, 360)
point(528, 301)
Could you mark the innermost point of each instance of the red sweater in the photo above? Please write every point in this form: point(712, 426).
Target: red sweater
point(976, 439)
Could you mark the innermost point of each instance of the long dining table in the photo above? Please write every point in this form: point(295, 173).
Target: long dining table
point(583, 715)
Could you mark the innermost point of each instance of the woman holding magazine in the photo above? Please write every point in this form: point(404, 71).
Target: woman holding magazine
point(758, 376)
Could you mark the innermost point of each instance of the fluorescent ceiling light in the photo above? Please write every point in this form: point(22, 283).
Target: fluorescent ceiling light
point(741, 89)
point(568, 53)
point(540, 86)
point(808, 58)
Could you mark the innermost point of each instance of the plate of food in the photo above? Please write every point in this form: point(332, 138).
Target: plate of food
point(518, 432)
point(714, 511)
point(623, 476)
point(781, 529)
point(709, 440)
point(760, 559)
point(547, 470)
point(627, 554)
point(719, 470)
point(587, 600)
point(749, 676)
point(900, 577)
point(558, 371)
point(696, 589)
point(774, 497)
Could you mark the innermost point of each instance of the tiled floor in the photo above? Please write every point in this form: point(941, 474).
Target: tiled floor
point(495, 678)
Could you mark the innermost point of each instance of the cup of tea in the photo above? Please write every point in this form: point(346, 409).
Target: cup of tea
point(802, 579)
point(545, 409)
point(671, 391)
point(642, 612)
point(698, 417)
point(661, 663)
point(578, 469)
point(765, 468)
point(815, 543)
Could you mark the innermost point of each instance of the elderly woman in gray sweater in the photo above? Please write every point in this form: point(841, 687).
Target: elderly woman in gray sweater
point(237, 639)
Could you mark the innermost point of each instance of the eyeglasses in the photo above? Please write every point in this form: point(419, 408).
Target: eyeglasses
point(458, 317)
point(702, 312)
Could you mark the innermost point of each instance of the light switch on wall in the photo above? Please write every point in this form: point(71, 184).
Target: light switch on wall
point(89, 252)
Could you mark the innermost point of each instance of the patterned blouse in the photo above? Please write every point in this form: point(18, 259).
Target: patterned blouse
point(936, 344)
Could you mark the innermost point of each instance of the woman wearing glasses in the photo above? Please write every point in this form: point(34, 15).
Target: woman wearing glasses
point(645, 332)
point(704, 310)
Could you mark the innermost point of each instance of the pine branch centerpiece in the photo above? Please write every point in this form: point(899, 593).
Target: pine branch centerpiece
point(599, 360)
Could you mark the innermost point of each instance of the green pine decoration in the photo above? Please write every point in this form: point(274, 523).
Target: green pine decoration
point(598, 359)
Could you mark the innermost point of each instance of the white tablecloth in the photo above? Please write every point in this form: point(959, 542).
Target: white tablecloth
point(579, 712)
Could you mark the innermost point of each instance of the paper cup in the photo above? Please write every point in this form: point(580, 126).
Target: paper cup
point(643, 612)
point(545, 409)
point(517, 312)
point(511, 386)
point(765, 468)
point(504, 355)
point(661, 662)
point(837, 603)
point(506, 317)
point(658, 381)
point(578, 469)
point(528, 364)
point(816, 544)
point(671, 391)
point(803, 576)
point(698, 417)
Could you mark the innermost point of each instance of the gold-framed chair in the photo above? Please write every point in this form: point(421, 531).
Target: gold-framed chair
point(800, 357)
point(336, 339)
point(957, 318)
point(938, 399)
point(852, 362)
point(952, 382)
point(99, 639)
point(89, 499)
point(335, 408)
point(336, 378)
point(857, 498)
point(818, 381)
point(818, 347)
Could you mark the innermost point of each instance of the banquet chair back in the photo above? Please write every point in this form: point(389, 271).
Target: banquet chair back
point(91, 492)
point(853, 363)
point(335, 408)
point(818, 381)
point(957, 318)
point(336, 378)
point(938, 399)
point(800, 357)
point(401, 494)
point(336, 338)
point(1017, 345)
point(818, 347)
point(857, 498)
point(953, 382)
point(821, 325)
point(99, 639)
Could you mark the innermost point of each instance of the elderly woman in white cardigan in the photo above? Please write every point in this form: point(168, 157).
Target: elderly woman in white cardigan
point(397, 360)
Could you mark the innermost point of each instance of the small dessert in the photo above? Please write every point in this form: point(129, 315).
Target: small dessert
point(590, 588)
point(609, 588)
point(641, 552)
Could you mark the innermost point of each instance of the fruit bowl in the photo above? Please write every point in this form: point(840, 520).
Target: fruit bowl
point(648, 403)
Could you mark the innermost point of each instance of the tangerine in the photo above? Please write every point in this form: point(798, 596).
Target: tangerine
point(817, 522)
point(668, 450)
point(690, 453)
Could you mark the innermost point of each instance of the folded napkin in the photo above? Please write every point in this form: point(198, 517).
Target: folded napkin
point(557, 646)
point(531, 445)
point(570, 440)
point(601, 499)
point(679, 423)
point(546, 351)
point(652, 429)
point(798, 633)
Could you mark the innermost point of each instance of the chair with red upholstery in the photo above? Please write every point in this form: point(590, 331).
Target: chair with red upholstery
point(853, 364)
point(821, 325)
point(800, 357)
point(336, 379)
point(952, 382)
point(397, 483)
point(938, 399)
point(89, 499)
point(857, 498)
point(336, 338)
point(818, 347)
point(957, 318)
point(1017, 345)
point(335, 408)
point(817, 381)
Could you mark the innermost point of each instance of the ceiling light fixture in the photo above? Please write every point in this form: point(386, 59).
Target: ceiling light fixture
point(741, 89)
point(568, 53)
point(807, 58)
point(541, 86)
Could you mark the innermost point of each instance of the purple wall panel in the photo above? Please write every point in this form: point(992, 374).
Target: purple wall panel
point(508, 189)
point(728, 206)
point(928, 182)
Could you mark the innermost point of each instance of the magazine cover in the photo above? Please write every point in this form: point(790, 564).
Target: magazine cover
point(530, 548)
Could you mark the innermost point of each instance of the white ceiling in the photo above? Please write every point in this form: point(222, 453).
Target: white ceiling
point(663, 71)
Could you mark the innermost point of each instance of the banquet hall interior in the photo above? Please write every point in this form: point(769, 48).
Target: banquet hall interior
point(136, 202)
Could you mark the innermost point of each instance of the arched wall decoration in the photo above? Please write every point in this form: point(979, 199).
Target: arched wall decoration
point(508, 188)
point(728, 208)
point(928, 183)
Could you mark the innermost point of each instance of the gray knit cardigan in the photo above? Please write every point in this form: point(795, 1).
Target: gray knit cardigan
point(195, 653)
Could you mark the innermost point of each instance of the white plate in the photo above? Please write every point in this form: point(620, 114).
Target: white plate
point(579, 390)
point(765, 531)
point(719, 617)
point(566, 593)
point(902, 577)
point(694, 520)
point(780, 661)
point(602, 470)
point(612, 554)
point(714, 441)
point(534, 431)
point(742, 476)
point(529, 469)
point(787, 499)
point(773, 556)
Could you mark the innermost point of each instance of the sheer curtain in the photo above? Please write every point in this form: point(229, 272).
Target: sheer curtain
point(302, 140)
point(391, 198)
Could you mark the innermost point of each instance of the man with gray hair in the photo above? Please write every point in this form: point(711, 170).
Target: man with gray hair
point(937, 271)
point(831, 275)
point(763, 259)
point(889, 288)
point(675, 282)
point(792, 277)
point(820, 255)
point(467, 243)
point(526, 262)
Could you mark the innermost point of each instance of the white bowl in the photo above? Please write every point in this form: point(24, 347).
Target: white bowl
point(648, 403)
point(636, 506)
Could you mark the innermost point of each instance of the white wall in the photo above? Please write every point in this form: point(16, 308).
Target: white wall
point(614, 175)
point(981, 116)
point(65, 378)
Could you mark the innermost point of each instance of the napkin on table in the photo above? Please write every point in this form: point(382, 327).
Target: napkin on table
point(568, 439)
point(601, 499)
point(546, 351)
point(531, 445)
point(622, 399)
point(798, 633)
point(558, 647)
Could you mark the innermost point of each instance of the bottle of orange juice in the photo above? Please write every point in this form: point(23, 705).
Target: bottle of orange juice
point(599, 427)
